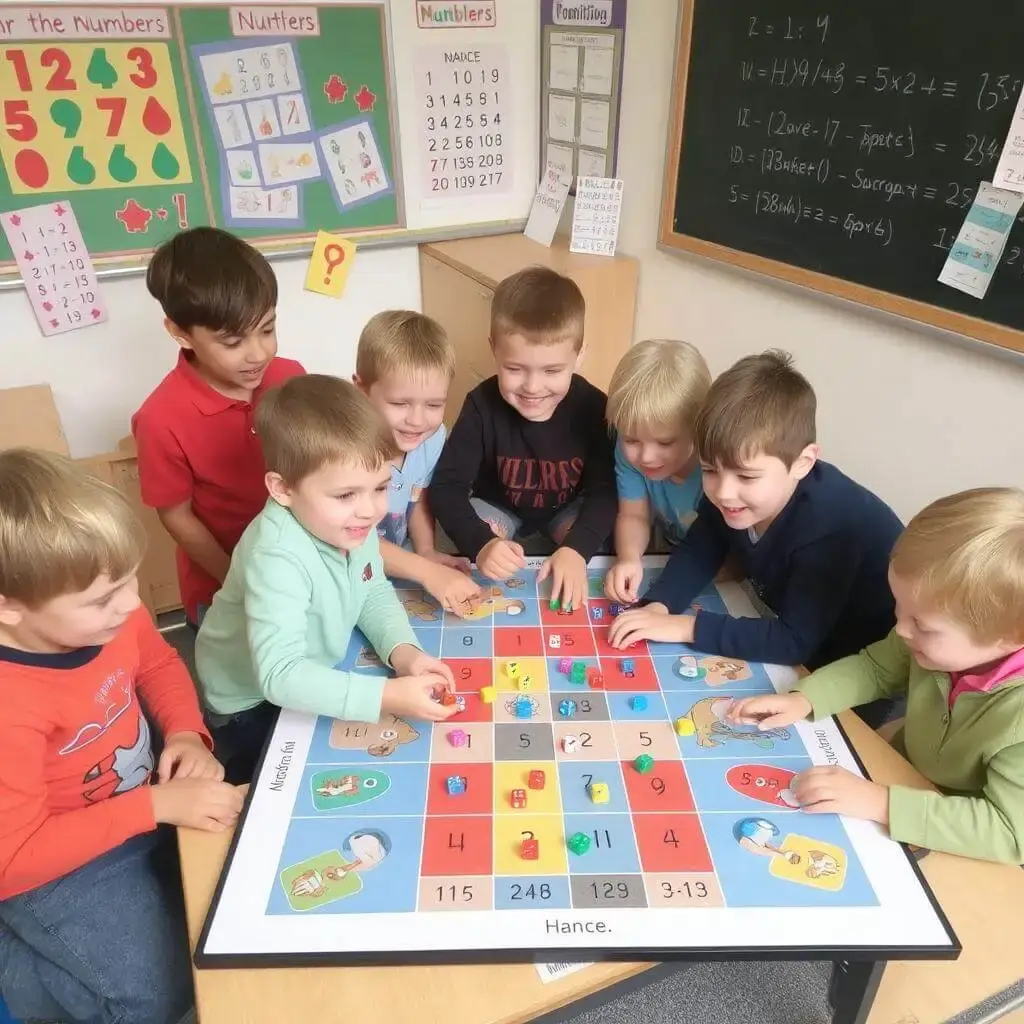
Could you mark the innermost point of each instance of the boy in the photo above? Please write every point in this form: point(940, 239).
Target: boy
point(814, 544)
point(531, 449)
point(404, 365)
point(306, 572)
point(655, 394)
point(92, 926)
point(199, 460)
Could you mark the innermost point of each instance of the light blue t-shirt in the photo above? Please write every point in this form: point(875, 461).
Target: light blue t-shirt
point(408, 485)
point(673, 503)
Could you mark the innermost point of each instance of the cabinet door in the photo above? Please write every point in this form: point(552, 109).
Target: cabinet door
point(463, 307)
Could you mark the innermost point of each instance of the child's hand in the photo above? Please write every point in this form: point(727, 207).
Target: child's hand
point(186, 756)
point(407, 660)
point(773, 711)
point(568, 571)
point(453, 589)
point(452, 561)
point(652, 622)
point(498, 559)
point(417, 697)
point(205, 804)
point(829, 789)
point(622, 583)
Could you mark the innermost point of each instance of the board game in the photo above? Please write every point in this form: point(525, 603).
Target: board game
point(406, 842)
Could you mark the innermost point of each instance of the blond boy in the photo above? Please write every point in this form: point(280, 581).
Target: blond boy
point(655, 394)
point(404, 365)
point(531, 450)
point(91, 921)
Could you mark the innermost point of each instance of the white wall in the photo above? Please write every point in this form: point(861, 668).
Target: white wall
point(909, 413)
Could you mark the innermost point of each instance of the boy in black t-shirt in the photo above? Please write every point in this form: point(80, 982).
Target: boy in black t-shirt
point(531, 450)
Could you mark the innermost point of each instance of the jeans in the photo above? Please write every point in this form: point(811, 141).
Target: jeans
point(238, 740)
point(105, 944)
point(507, 525)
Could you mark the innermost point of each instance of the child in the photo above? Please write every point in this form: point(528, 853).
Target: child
point(814, 544)
point(530, 450)
point(404, 365)
point(306, 572)
point(957, 652)
point(92, 925)
point(656, 392)
point(199, 460)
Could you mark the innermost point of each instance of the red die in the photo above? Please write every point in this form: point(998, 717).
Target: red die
point(517, 798)
point(447, 698)
point(594, 679)
point(529, 849)
point(536, 780)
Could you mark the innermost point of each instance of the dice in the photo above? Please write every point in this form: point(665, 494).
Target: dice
point(555, 641)
point(614, 609)
point(487, 694)
point(457, 737)
point(628, 666)
point(460, 702)
point(570, 744)
point(644, 763)
point(512, 669)
point(598, 792)
point(638, 703)
point(597, 614)
point(554, 605)
point(523, 707)
point(448, 698)
point(524, 683)
point(529, 849)
point(594, 679)
point(456, 785)
point(567, 708)
point(565, 666)
point(517, 799)
point(536, 779)
point(578, 843)
point(578, 673)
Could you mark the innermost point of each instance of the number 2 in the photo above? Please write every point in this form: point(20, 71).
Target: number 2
point(60, 80)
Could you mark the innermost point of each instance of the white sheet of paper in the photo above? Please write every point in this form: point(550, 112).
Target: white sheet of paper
point(548, 205)
point(592, 164)
point(595, 221)
point(56, 267)
point(564, 68)
point(560, 157)
point(1010, 169)
point(981, 240)
point(552, 972)
point(598, 66)
point(562, 117)
point(594, 118)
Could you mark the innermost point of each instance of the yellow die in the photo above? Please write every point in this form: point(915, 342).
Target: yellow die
point(598, 792)
point(512, 669)
point(524, 684)
point(684, 727)
point(487, 694)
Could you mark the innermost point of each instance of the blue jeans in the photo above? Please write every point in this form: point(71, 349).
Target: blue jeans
point(507, 525)
point(105, 944)
point(238, 740)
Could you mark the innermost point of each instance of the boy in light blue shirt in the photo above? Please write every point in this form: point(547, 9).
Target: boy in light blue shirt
point(653, 400)
point(306, 572)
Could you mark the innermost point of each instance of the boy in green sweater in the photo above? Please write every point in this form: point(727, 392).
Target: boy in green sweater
point(306, 572)
point(957, 652)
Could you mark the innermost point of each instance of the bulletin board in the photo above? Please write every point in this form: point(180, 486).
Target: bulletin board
point(383, 120)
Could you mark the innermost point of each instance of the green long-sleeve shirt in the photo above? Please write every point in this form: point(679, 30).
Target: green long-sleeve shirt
point(284, 618)
point(973, 752)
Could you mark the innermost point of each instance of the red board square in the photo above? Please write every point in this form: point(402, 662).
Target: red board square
point(559, 620)
point(644, 676)
point(604, 648)
point(479, 795)
point(664, 788)
point(471, 674)
point(457, 846)
point(573, 642)
point(518, 642)
point(671, 842)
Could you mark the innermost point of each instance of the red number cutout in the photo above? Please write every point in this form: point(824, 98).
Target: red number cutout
point(144, 75)
point(17, 59)
point(115, 107)
point(60, 80)
point(20, 124)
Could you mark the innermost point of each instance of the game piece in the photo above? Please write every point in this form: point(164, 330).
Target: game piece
point(565, 666)
point(524, 684)
point(554, 605)
point(598, 792)
point(597, 614)
point(457, 737)
point(628, 667)
point(456, 785)
point(512, 669)
point(614, 609)
point(578, 673)
point(536, 779)
point(638, 703)
point(524, 707)
point(595, 680)
point(567, 708)
point(487, 694)
point(517, 799)
point(644, 763)
point(460, 703)
point(578, 843)
point(447, 698)
point(529, 849)
point(684, 727)
point(570, 744)
point(555, 641)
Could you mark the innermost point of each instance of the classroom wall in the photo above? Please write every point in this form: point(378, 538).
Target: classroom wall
point(908, 412)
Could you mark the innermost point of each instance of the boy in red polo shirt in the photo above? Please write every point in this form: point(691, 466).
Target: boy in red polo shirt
point(200, 464)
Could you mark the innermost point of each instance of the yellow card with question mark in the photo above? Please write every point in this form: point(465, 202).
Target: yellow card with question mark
point(330, 264)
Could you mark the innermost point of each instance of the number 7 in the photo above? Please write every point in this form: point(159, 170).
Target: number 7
point(115, 107)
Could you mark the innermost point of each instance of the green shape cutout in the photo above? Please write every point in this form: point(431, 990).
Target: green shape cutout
point(66, 114)
point(165, 164)
point(100, 71)
point(121, 168)
point(79, 169)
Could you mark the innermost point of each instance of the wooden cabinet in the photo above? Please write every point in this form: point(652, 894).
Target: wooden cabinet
point(458, 281)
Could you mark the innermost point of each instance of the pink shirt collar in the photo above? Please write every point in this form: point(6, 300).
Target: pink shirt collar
point(982, 682)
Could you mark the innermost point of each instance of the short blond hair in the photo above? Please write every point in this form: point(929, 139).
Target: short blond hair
point(658, 385)
point(964, 554)
point(61, 528)
point(404, 342)
point(313, 420)
point(541, 305)
point(759, 406)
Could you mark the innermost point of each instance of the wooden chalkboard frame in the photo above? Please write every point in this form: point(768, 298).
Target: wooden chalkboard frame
point(671, 240)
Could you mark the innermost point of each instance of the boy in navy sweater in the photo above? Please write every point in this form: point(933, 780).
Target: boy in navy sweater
point(814, 544)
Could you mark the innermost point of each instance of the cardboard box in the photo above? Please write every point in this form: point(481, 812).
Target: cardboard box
point(29, 418)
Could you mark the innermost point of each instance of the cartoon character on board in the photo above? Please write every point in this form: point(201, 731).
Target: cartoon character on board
point(712, 729)
point(336, 790)
point(763, 782)
point(335, 875)
point(725, 670)
point(495, 602)
point(419, 606)
point(800, 859)
point(368, 658)
point(381, 739)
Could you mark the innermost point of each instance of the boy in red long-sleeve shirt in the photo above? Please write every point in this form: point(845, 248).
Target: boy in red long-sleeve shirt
point(91, 919)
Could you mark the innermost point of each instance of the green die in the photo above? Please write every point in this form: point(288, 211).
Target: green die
point(579, 843)
point(554, 605)
point(578, 673)
point(644, 763)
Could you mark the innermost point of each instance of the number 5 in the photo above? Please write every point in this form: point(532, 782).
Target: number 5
point(20, 124)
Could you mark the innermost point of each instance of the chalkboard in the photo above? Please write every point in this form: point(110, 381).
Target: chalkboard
point(840, 145)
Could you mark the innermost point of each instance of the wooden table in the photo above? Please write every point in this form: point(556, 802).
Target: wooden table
point(979, 909)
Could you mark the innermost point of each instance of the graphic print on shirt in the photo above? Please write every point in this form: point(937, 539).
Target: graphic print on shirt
point(114, 698)
point(124, 768)
point(367, 573)
point(539, 483)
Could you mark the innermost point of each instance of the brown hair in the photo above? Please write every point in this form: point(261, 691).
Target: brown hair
point(61, 528)
point(315, 419)
point(208, 278)
point(541, 305)
point(761, 405)
point(404, 342)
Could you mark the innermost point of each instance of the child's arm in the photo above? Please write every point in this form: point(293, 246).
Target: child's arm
point(383, 620)
point(189, 533)
point(453, 589)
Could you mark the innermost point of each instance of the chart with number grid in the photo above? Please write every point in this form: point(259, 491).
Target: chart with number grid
point(617, 816)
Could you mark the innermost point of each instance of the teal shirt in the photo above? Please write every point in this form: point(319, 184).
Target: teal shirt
point(672, 502)
point(284, 618)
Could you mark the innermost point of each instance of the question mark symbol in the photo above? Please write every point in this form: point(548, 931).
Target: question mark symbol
point(334, 256)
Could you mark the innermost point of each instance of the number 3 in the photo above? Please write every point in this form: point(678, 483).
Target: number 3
point(145, 74)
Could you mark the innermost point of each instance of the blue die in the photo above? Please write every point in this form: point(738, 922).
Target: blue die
point(456, 785)
point(567, 708)
point(627, 666)
point(597, 614)
point(638, 703)
point(524, 708)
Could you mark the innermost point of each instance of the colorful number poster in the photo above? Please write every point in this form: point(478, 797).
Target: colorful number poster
point(57, 270)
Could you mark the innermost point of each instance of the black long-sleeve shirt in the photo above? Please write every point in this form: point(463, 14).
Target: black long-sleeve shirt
point(533, 470)
point(821, 566)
